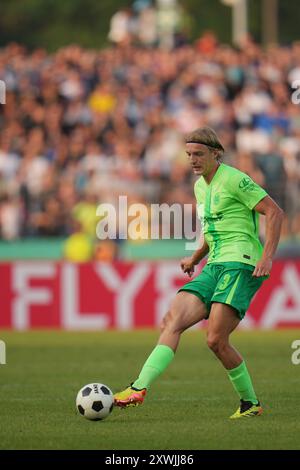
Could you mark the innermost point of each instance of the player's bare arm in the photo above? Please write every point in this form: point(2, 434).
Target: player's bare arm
point(188, 264)
point(274, 217)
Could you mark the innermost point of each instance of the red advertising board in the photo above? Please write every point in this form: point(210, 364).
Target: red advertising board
point(124, 295)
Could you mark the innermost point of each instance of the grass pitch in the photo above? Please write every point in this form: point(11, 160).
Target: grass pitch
point(187, 408)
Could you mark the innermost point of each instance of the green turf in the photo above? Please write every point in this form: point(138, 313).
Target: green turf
point(187, 408)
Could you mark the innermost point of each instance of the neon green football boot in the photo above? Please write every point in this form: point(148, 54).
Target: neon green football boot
point(247, 410)
point(130, 397)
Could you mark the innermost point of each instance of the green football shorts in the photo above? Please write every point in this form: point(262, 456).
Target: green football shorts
point(229, 283)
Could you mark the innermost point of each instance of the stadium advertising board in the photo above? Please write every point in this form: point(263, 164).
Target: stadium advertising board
point(124, 295)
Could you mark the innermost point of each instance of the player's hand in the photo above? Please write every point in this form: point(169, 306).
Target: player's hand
point(187, 266)
point(263, 267)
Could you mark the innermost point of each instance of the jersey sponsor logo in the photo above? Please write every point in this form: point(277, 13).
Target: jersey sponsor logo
point(246, 184)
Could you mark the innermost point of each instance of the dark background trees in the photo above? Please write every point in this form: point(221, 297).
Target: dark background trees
point(54, 23)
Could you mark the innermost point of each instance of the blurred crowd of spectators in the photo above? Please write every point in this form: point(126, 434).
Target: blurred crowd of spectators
point(163, 23)
point(80, 127)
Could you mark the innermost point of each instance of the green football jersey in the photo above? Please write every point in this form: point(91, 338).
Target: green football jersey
point(229, 222)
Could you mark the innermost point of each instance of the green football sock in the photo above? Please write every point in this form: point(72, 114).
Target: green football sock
point(241, 382)
point(156, 363)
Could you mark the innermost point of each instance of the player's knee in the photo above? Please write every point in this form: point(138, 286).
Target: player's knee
point(216, 343)
point(212, 342)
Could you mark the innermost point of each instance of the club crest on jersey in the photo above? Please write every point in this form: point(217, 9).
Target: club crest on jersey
point(246, 184)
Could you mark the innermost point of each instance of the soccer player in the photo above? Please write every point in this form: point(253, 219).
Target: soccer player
point(229, 204)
